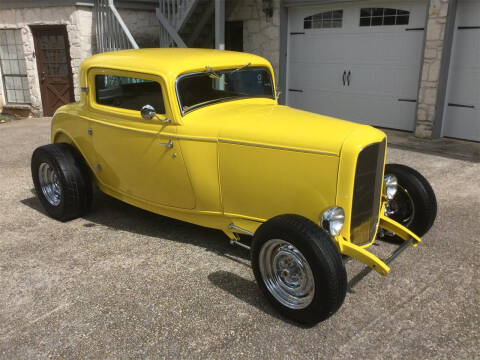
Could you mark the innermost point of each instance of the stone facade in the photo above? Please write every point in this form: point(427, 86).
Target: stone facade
point(434, 42)
point(81, 35)
point(261, 34)
point(79, 38)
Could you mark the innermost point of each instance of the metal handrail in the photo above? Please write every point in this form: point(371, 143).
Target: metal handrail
point(172, 15)
point(111, 32)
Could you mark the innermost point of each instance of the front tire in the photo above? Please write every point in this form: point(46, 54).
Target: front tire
point(299, 269)
point(414, 205)
point(61, 181)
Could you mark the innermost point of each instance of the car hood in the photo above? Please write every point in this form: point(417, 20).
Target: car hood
point(272, 125)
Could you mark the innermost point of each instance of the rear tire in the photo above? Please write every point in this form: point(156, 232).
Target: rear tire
point(414, 205)
point(62, 181)
point(298, 268)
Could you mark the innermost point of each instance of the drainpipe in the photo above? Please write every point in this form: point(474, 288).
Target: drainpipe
point(220, 24)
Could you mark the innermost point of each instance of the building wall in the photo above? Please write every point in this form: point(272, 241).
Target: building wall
point(79, 28)
point(429, 83)
point(260, 34)
point(262, 37)
point(81, 35)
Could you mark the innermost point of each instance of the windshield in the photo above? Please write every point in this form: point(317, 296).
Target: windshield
point(211, 86)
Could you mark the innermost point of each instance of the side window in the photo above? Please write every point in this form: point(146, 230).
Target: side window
point(383, 16)
point(128, 93)
point(324, 20)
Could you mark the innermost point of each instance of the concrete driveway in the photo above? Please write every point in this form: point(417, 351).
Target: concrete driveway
point(124, 283)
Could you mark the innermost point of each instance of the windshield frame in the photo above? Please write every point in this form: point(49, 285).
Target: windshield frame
point(201, 105)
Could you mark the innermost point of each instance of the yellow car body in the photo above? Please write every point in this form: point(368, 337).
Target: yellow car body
point(231, 165)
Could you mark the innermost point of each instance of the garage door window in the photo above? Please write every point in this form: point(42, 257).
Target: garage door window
point(383, 16)
point(324, 20)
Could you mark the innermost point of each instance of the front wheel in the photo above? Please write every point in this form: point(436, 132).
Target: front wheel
point(299, 269)
point(414, 205)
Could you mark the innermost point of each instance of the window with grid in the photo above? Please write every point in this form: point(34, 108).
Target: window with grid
point(324, 20)
point(383, 16)
point(14, 71)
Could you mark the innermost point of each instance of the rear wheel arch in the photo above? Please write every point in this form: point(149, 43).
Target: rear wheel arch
point(62, 137)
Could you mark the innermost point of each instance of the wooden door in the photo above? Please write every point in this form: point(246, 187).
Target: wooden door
point(54, 68)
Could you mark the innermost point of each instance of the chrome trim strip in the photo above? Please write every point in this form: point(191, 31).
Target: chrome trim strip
point(276, 147)
point(191, 138)
point(154, 132)
point(227, 141)
point(123, 127)
point(239, 229)
point(177, 92)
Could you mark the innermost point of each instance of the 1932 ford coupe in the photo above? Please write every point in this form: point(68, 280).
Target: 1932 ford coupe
point(198, 135)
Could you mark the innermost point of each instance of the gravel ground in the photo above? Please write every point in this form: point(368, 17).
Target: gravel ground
point(124, 283)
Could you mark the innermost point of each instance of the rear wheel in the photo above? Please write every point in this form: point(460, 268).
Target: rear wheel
point(61, 181)
point(414, 205)
point(298, 268)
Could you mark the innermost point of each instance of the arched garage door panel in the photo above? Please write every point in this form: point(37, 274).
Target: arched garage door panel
point(340, 66)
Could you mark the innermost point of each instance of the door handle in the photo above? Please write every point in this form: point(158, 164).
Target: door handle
point(348, 77)
point(44, 74)
point(168, 145)
point(343, 76)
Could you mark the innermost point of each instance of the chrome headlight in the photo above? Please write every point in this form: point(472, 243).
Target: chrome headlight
point(391, 185)
point(333, 220)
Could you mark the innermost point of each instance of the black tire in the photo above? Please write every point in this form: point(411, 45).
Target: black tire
point(73, 195)
point(322, 256)
point(416, 207)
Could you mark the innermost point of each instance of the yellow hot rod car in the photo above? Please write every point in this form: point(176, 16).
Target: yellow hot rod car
point(198, 135)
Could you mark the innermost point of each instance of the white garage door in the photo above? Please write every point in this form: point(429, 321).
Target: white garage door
point(358, 62)
point(462, 115)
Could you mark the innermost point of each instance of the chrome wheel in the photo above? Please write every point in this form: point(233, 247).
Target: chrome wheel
point(49, 184)
point(401, 208)
point(286, 274)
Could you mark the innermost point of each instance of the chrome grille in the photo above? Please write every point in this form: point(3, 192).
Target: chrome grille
point(367, 192)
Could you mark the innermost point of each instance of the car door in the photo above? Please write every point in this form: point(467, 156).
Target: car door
point(138, 158)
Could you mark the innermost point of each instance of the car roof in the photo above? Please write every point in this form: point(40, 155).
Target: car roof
point(172, 61)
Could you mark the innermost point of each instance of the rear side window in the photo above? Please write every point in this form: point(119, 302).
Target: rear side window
point(128, 93)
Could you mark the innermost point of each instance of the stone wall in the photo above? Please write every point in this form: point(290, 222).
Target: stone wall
point(81, 35)
point(261, 35)
point(79, 27)
point(427, 97)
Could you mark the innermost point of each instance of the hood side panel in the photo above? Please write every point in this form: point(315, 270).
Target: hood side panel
point(259, 183)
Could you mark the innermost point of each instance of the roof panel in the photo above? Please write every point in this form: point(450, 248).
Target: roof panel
point(172, 61)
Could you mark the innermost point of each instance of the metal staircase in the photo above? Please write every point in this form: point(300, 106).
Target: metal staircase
point(186, 23)
point(111, 32)
point(183, 23)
